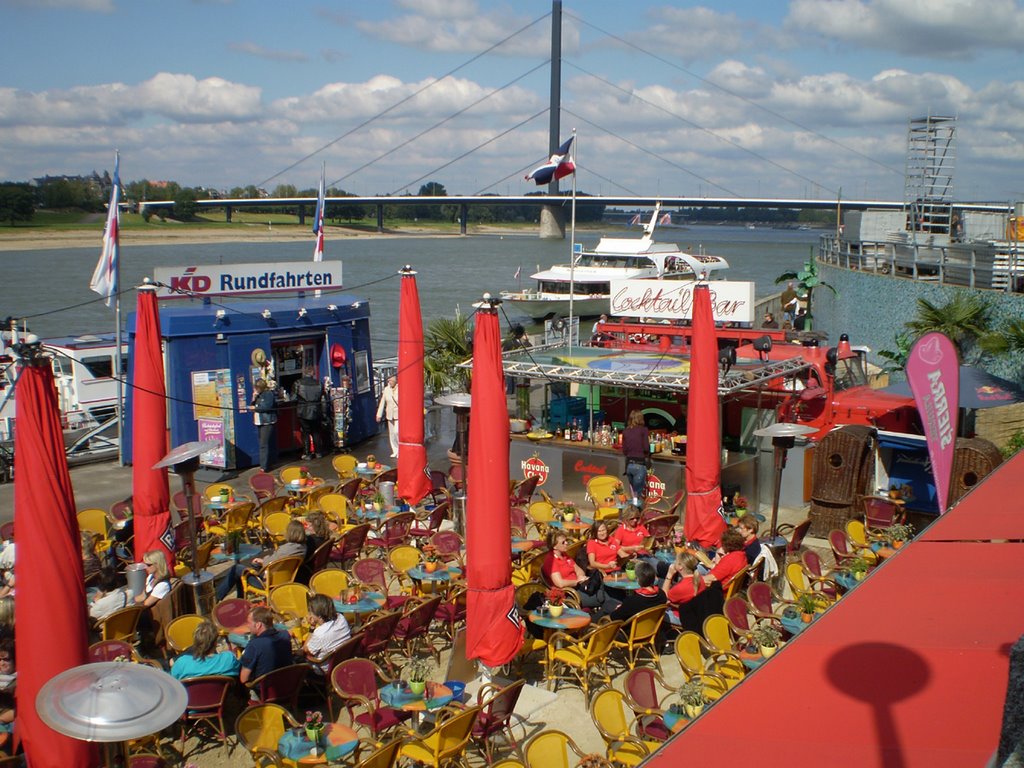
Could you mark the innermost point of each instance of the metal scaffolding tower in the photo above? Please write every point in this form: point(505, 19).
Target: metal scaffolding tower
point(928, 185)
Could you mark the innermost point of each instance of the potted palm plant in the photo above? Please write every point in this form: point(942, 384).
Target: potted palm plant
point(859, 568)
point(808, 604)
point(416, 673)
point(767, 637)
point(691, 694)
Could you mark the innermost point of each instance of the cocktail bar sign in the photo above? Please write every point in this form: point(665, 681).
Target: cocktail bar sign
point(731, 302)
point(242, 279)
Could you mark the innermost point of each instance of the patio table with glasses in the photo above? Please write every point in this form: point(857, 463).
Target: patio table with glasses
point(336, 742)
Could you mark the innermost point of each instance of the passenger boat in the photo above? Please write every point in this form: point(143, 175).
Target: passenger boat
point(613, 258)
point(84, 375)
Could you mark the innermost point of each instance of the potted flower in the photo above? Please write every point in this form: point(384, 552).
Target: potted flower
point(631, 570)
point(678, 539)
point(767, 636)
point(225, 495)
point(555, 597)
point(430, 558)
point(232, 542)
point(739, 503)
point(859, 568)
point(314, 725)
point(691, 694)
point(898, 533)
point(378, 501)
point(569, 512)
point(808, 604)
point(416, 673)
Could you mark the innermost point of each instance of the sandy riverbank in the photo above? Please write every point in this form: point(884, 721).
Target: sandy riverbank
point(34, 239)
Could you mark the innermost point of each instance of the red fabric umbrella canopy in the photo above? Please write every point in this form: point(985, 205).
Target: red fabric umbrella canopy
point(413, 480)
point(703, 522)
point(151, 497)
point(50, 609)
point(494, 632)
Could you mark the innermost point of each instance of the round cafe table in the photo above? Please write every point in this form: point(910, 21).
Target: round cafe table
point(519, 546)
point(794, 624)
point(575, 527)
point(675, 721)
point(419, 573)
point(336, 742)
point(245, 553)
point(368, 602)
point(571, 619)
point(398, 696)
point(619, 580)
point(368, 473)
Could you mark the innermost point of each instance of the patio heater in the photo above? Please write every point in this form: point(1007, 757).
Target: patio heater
point(184, 461)
point(460, 403)
point(783, 438)
point(111, 702)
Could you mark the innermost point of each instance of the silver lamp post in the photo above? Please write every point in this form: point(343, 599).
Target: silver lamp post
point(460, 403)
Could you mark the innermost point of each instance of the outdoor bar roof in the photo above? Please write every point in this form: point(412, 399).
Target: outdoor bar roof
point(910, 668)
point(646, 370)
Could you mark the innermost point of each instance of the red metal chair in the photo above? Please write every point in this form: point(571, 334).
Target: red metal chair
point(109, 650)
point(796, 539)
point(350, 488)
point(205, 707)
point(411, 630)
point(519, 521)
point(737, 611)
point(523, 493)
point(347, 650)
point(497, 705)
point(661, 529)
point(431, 524)
point(843, 550)
point(280, 686)
point(452, 611)
point(350, 545)
point(672, 509)
point(263, 485)
point(761, 599)
point(457, 476)
point(393, 531)
point(448, 545)
point(438, 487)
point(641, 692)
point(377, 633)
point(357, 683)
point(879, 513)
point(231, 614)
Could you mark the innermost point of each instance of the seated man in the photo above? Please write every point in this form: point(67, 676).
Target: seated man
point(330, 630)
point(268, 648)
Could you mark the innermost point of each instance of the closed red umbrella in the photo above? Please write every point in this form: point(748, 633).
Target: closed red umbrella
point(150, 494)
point(494, 632)
point(703, 522)
point(50, 608)
point(413, 480)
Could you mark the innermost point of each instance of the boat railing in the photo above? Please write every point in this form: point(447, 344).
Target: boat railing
point(991, 265)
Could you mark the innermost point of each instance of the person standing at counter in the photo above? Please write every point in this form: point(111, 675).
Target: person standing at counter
point(636, 446)
point(309, 395)
point(388, 409)
point(264, 414)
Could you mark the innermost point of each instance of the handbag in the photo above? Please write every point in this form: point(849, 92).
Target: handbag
point(593, 583)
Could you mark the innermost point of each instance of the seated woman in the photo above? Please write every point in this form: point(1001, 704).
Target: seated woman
point(602, 550)
point(113, 594)
point(8, 685)
point(158, 578)
point(202, 658)
point(330, 629)
point(90, 560)
point(690, 599)
point(631, 535)
point(730, 560)
point(294, 545)
point(317, 532)
point(645, 596)
point(561, 571)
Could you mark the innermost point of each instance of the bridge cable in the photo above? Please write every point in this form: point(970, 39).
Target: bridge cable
point(400, 102)
point(742, 98)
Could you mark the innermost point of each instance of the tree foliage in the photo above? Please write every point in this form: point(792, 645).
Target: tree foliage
point(16, 203)
point(807, 280)
point(446, 343)
point(965, 319)
point(185, 204)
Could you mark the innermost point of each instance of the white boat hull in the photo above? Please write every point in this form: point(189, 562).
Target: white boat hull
point(536, 307)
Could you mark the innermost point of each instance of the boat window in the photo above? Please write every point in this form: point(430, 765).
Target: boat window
point(99, 367)
point(58, 368)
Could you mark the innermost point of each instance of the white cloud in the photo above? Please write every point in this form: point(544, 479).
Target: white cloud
point(262, 52)
point(932, 28)
point(693, 33)
point(441, 9)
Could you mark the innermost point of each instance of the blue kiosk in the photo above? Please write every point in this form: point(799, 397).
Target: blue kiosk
point(215, 350)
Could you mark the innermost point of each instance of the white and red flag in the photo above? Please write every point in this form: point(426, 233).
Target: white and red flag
point(106, 276)
point(559, 165)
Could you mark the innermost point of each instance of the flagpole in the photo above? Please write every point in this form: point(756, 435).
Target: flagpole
point(572, 244)
point(118, 362)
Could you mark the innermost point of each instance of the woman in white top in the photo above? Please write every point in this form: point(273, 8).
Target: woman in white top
point(158, 578)
point(330, 630)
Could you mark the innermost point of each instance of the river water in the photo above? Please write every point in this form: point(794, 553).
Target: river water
point(51, 287)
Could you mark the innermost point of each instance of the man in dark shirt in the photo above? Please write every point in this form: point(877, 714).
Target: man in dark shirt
point(747, 526)
point(309, 397)
point(268, 648)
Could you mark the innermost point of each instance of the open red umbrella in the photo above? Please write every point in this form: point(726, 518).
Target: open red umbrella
point(494, 632)
point(50, 608)
point(413, 480)
point(703, 522)
point(150, 494)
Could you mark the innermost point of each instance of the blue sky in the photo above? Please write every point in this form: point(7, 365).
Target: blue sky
point(797, 98)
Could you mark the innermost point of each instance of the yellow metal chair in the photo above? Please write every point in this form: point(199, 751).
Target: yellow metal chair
point(824, 589)
point(606, 513)
point(401, 559)
point(718, 632)
point(859, 539)
point(259, 729)
point(287, 474)
point(290, 600)
point(345, 465)
point(95, 521)
point(447, 742)
point(215, 490)
point(720, 670)
point(273, 575)
point(529, 569)
point(178, 633)
point(235, 518)
point(601, 488)
point(336, 508)
point(329, 581)
point(579, 657)
point(640, 635)
point(541, 514)
point(553, 749)
point(617, 725)
point(274, 526)
point(122, 624)
point(382, 756)
point(203, 552)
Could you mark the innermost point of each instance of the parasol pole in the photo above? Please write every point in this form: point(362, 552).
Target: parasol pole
point(572, 244)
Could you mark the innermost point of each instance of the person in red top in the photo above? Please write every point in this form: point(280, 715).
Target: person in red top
point(602, 550)
point(631, 534)
point(560, 570)
point(689, 584)
point(690, 600)
point(731, 558)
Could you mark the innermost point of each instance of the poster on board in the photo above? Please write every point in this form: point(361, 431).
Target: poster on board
point(213, 396)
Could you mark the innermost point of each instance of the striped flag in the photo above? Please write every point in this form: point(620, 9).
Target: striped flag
point(519, 270)
point(635, 220)
point(105, 277)
point(558, 165)
point(666, 218)
point(318, 218)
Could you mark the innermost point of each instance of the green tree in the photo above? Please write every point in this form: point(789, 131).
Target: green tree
point(16, 203)
point(433, 189)
point(965, 319)
point(897, 358)
point(185, 204)
point(1005, 340)
point(447, 343)
point(285, 190)
point(807, 280)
